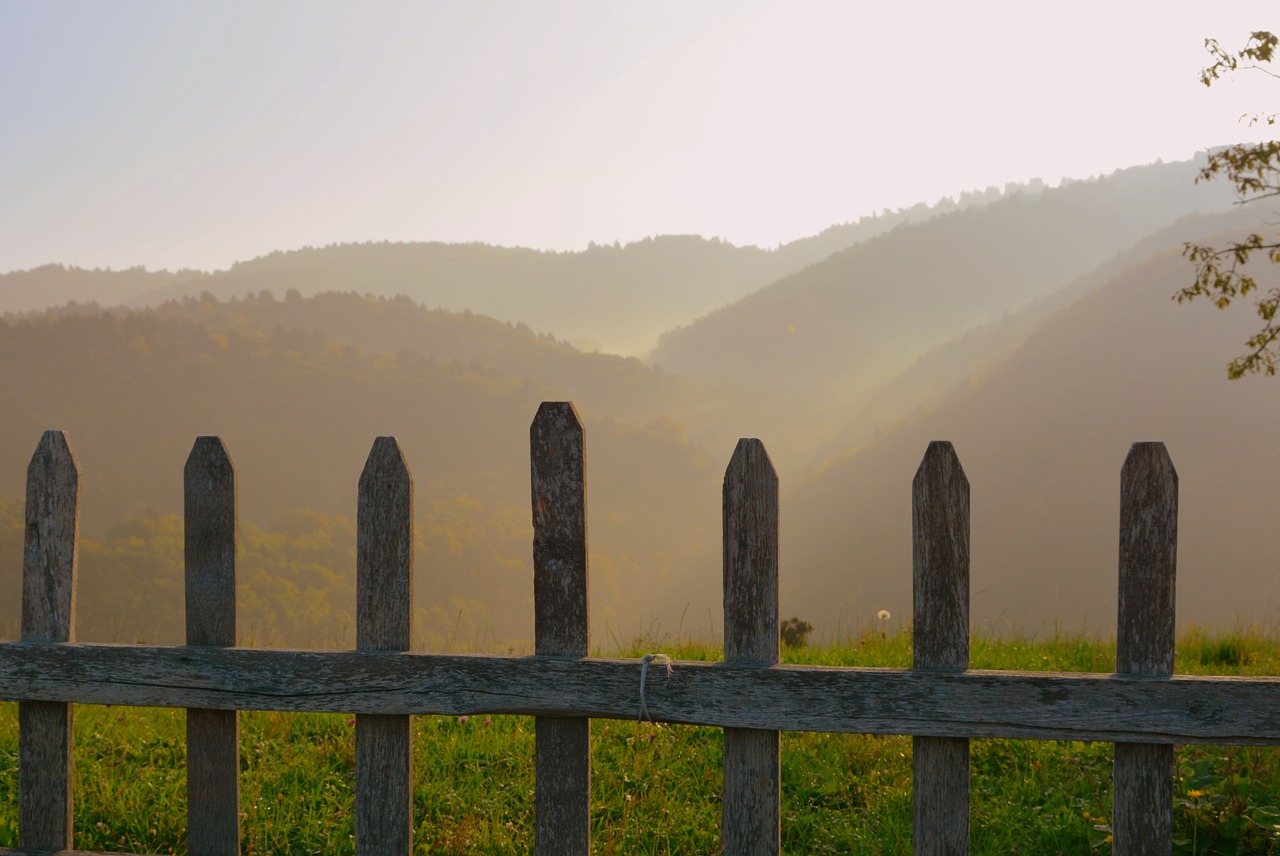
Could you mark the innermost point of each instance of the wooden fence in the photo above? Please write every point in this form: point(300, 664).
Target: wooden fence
point(1143, 708)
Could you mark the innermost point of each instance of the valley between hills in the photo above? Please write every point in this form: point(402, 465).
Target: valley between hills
point(1032, 326)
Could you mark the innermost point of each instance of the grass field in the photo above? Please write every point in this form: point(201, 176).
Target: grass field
point(656, 788)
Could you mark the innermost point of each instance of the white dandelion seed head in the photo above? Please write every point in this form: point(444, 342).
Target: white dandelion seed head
point(883, 615)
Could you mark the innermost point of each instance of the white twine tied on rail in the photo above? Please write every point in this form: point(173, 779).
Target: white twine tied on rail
point(644, 673)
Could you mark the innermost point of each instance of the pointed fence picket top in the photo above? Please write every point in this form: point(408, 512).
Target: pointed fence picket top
point(1142, 811)
point(213, 736)
point(51, 551)
point(751, 696)
point(940, 642)
point(384, 619)
point(562, 798)
point(751, 808)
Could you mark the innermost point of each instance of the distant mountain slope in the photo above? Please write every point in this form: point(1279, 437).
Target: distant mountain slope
point(841, 327)
point(299, 413)
point(1042, 439)
point(55, 284)
point(618, 298)
point(599, 383)
point(972, 354)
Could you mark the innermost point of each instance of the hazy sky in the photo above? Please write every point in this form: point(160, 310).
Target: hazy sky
point(199, 133)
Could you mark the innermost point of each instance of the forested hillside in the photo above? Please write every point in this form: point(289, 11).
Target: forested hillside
point(612, 297)
point(977, 351)
point(299, 413)
point(1035, 331)
point(53, 285)
point(806, 347)
point(1042, 438)
point(597, 383)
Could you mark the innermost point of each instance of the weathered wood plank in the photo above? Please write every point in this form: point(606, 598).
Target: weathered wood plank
point(50, 558)
point(940, 642)
point(977, 703)
point(558, 487)
point(209, 506)
point(384, 550)
point(44, 773)
point(1142, 810)
point(559, 494)
point(384, 779)
point(384, 620)
point(940, 561)
point(751, 803)
point(213, 736)
point(750, 522)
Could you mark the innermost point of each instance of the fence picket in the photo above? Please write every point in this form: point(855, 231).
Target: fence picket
point(50, 556)
point(562, 801)
point(213, 736)
point(384, 617)
point(1142, 811)
point(940, 642)
point(750, 695)
point(750, 808)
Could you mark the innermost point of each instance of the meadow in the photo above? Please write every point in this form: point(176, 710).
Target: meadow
point(656, 788)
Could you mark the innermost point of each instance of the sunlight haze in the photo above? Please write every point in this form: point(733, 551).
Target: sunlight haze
point(597, 392)
point(844, 230)
point(199, 134)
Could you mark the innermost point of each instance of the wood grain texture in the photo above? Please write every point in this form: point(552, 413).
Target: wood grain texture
point(384, 613)
point(976, 703)
point(751, 804)
point(940, 642)
point(558, 487)
point(750, 808)
point(384, 550)
point(50, 558)
point(562, 796)
point(557, 445)
point(940, 795)
point(750, 523)
point(1148, 562)
point(213, 736)
point(1143, 775)
point(45, 773)
point(213, 781)
point(940, 561)
point(209, 506)
point(384, 781)
point(51, 549)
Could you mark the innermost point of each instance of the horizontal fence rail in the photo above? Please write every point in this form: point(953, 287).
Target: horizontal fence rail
point(978, 703)
point(1142, 707)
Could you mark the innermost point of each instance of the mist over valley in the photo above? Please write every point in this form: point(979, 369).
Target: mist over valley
point(1030, 326)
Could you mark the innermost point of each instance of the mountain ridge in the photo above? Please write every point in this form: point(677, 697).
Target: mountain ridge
point(654, 283)
point(1042, 437)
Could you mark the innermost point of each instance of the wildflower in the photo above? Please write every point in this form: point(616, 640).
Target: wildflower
point(464, 718)
point(1195, 794)
point(883, 615)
